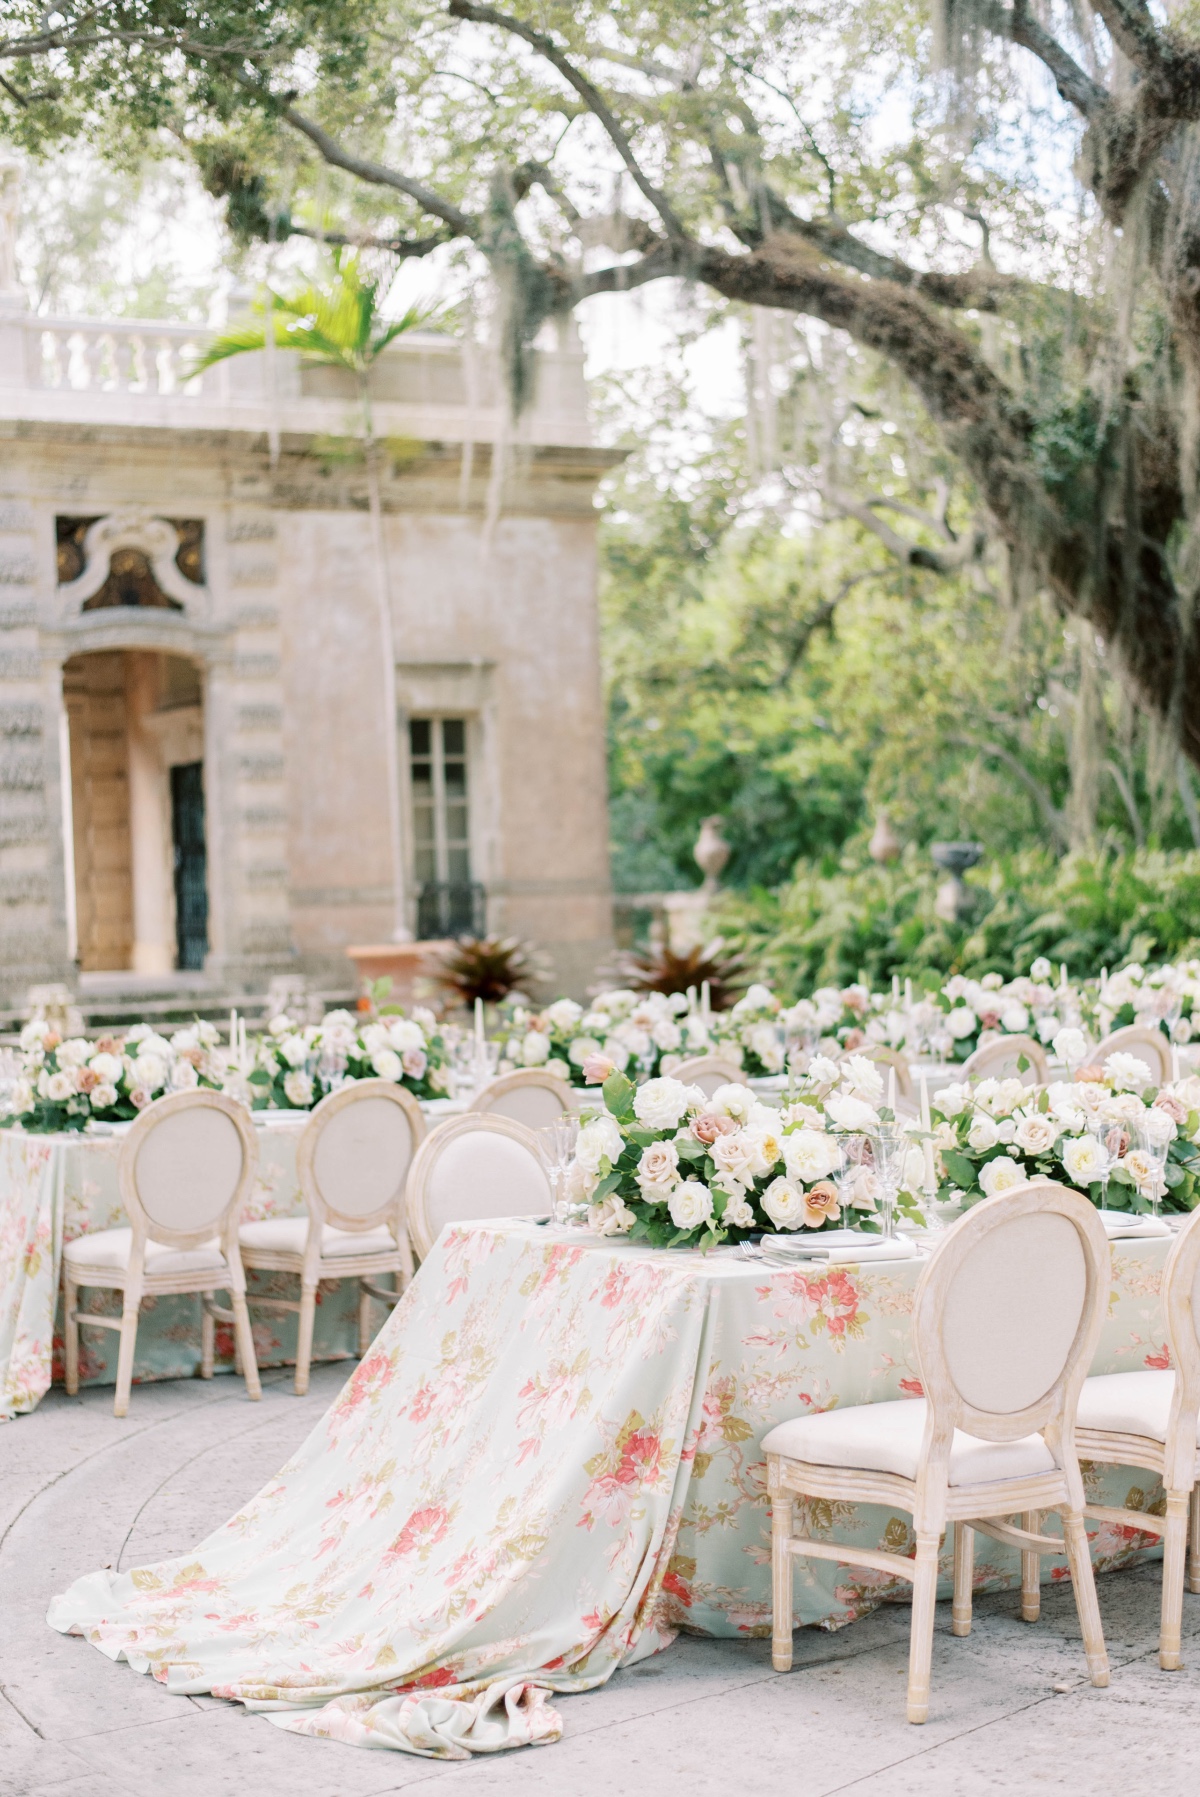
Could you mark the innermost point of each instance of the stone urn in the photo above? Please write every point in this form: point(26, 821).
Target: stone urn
point(954, 902)
point(711, 852)
point(884, 845)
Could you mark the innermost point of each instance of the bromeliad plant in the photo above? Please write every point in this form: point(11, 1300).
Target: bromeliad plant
point(993, 1135)
point(667, 1165)
point(295, 1067)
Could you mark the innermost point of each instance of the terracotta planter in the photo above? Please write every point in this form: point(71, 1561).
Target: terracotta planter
point(404, 963)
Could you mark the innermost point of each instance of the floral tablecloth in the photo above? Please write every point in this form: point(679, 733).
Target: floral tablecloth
point(547, 1464)
point(55, 1188)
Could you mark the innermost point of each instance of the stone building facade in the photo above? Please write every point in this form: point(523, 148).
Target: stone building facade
point(196, 782)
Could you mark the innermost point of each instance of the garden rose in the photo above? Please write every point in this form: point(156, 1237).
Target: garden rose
point(103, 1097)
point(983, 1134)
point(579, 1049)
point(387, 1064)
point(149, 1072)
point(535, 1049)
point(59, 1087)
point(690, 1204)
point(658, 1169)
point(1127, 1073)
point(107, 1067)
point(735, 1155)
point(564, 1014)
point(1084, 1159)
point(1001, 1175)
point(739, 1214)
point(184, 1076)
point(863, 1078)
point(414, 1062)
point(850, 1113)
point(962, 1022)
point(734, 1101)
point(1015, 1019)
point(1145, 1171)
point(1070, 1046)
point(599, 1140)
point(294, 1050)
point(611, 1217)
point(404, 1033)
point(708, 1126)
point(809, 1154)
point(820, 1204)
point(73, 1053)
point(1036, 1133)
point(1175, 1109)
point(667, 1035)
point(597, 1067)
point(661, 1103)
point(784, 1204)
point(298, 1089)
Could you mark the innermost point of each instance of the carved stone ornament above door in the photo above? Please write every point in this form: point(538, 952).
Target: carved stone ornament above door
point(130, 560)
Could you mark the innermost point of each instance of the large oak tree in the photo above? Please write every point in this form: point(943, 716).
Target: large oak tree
point(808, 157)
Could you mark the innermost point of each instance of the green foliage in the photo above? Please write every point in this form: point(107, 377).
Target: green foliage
point(835, 922)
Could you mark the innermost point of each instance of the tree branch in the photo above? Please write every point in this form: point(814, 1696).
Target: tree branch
point(1074, 85)
point(913, 555)
point(1052, 817)
point(361, 167)
point(588, 93)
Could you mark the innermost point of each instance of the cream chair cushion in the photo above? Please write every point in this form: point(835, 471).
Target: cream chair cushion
point(887, 1438)
point(109, 1249)
point(1128, 1403)
point(289, 1234)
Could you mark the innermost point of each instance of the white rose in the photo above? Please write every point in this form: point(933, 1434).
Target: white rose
point(1127, 1073)
point(822, 1071)
point(103, 1097)
point(690, 1204)
point(59, 1087)
point(106, 1067)
point(558, 1068)
point(612, 1216)
point(658, 1169)
point(739, 1214)
point(1001, 1175)
point(1122, 1107)
point(1070, 1046)
point(962, 1022)
point(617, 1052)
point(1015, 1019)
point(281, 1025)
point(662, 1103)
point(982, 1134)
point(183, 1077)
point(1036, 1133)
point(535, 1048)
point(598, 1141)
point(1041, 969)
point(667, 1035)
point(765, 1043)
point(1159, 1127)
point(387, 1064)
point(374, 1036)
point(953, 1099)
point(298, 1089)
point(735, 1155)
point(74, 1053)
point(810, 1154)
point(564, 1014)
point(404, 1033)
point(1084, 1159)
point(733, 1100)
point(581, 1047)
point(850, 1113)
point(1145, 1171)
point(784, 1204)
point(22, 1098)
point(863, 1078)
point(149, 1072)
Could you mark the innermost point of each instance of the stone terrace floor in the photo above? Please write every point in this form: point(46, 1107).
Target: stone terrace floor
point(1011, 1709)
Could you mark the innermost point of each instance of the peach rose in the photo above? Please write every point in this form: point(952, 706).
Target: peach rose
point(1090, 1073)
point(596, 1069)
point(820, 1203)
point(708, 1126)
point(1174, 1107)
point(854, 1039)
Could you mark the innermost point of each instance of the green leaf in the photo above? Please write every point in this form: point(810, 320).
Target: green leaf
point(1022, 1063)
point(618, 1095)
point(961, 1170)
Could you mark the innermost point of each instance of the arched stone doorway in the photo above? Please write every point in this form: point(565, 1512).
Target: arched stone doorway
point(135, 723)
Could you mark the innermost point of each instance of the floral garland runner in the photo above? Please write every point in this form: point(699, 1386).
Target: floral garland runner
point(667, 1165)
point(65, 1085)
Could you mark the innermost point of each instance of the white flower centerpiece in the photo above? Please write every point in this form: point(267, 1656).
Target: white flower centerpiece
point(67, 1084)
point(995, 1134)
point(664, 1164)
point(296, 1066)
point(639, 1033)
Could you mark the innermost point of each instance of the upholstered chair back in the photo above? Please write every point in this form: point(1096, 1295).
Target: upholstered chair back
point(532, 1097)
point(473, 1167)
point(186, 1164)
point(354, 1156)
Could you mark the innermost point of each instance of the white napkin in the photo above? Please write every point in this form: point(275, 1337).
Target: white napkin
point(834, 1249)
point(1119, 1227)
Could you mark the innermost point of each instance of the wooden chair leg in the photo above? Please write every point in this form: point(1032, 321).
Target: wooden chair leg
point(208, 1336)
point(71, 1335)
point(304, 1337)
point(1080, 1559)
point(129, 1323)
point(782, 1525)
point(964, 1578)
point(1194, 1546)
point(924, 1608)
point(245, 1340)
point(365, 1332)
point(1031, 1571)
point(1170, 1640)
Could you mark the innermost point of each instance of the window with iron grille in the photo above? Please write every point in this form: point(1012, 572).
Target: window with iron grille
point(449, 901)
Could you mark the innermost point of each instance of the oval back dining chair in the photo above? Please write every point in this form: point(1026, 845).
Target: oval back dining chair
point(1150, 1418)
point(472, 1167)
point(709, 1072)
point(530, 1096)
point(352, 1162)
point(1144, 1043)
point(1006, 1319)
point(184, 1171)
point(1001, 1058)
point(888, 1060)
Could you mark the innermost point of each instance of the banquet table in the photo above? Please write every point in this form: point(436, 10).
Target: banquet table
point(546, 1466)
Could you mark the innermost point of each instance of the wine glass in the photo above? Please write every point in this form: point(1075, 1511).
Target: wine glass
point(556, 1146)
point(1098, 1129)
point(890, 1143)
point(1153, 1133)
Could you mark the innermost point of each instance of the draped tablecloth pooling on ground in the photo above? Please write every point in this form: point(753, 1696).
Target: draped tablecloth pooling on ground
point(54, 1188)
point(546, 1465)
